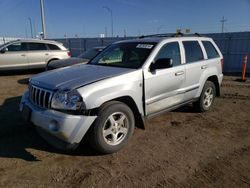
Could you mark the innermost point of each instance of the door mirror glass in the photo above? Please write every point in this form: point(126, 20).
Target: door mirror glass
point(162, 63)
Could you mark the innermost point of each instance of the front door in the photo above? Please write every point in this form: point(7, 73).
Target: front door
point(163, 87)
point(14, 57)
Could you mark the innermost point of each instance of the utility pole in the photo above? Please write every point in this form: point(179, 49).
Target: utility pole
point(26, 34)
point(34, 26)
point(222, 24)
point(125, 33)
point(31, 31)
point(111, 14)
point(106, 32)
point(43, 20)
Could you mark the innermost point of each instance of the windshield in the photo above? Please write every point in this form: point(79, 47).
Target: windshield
point(127, 55)
point(89, 54)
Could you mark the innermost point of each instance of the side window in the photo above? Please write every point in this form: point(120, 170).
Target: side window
point(37, 46)
point(16, 47)
point(53, 47)
point(193, 51)
point(172, 51)
point(210, 49)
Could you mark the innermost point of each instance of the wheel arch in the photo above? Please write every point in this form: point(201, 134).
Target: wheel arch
point(139, 122)
point(52, 59)
point(215, 80)
point(210, 76)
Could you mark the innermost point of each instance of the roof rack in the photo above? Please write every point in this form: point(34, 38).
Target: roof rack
point(156, 35)
point(179, 34)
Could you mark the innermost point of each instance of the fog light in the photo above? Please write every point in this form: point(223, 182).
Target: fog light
point(53, 126)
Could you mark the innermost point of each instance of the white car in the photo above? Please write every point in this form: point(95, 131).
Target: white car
point(126, 83)
point(28, 54)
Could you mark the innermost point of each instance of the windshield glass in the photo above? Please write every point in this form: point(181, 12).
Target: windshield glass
point(89, 54)
point(127, 55)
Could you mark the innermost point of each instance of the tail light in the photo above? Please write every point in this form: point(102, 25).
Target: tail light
point(222, 63)
point(69, 53)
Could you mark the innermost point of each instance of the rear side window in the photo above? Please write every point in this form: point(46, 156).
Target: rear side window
point(172, 51)
point(210, 49)
point(53, 47)
point(193, 51)
point(37, 46)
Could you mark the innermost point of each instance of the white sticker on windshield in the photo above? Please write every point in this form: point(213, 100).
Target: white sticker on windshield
point(147, 46)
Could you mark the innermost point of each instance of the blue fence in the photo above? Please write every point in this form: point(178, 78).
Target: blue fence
point(233, 46)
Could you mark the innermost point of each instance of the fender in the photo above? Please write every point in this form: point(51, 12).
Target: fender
point(130, 84)
point(212, 71)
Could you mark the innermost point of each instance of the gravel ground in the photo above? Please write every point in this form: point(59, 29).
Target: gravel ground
point(177, 149)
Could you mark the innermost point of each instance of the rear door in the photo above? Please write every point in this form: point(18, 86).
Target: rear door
point(163, 87)
point(37, 54)
point(195, 66)
point(15, 57)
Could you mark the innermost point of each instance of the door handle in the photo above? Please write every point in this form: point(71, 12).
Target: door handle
point(179, 73)
point(23, 55)
point(46, 54)
point(204, 67)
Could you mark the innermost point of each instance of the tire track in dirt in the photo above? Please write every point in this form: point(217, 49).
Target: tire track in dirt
point(215, 171)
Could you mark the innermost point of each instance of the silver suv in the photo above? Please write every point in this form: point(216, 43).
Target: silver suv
point(122, 86)
point(25, 54)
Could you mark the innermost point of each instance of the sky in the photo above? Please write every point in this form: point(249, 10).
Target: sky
point(89, 18)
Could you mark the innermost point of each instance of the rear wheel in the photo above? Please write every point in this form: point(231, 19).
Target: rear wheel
point(206, 98)
point(112, 128)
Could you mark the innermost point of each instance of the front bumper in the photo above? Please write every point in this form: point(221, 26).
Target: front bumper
point(66, 127)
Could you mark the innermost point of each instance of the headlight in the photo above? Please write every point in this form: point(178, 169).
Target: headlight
point(67, 100)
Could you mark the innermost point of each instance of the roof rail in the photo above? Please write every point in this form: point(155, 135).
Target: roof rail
point(179, 34)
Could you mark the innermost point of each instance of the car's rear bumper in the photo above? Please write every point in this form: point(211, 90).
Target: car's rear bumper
point(68, 128)
point(220, 78)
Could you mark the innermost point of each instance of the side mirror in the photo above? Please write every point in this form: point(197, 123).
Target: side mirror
point(162, 63)
point(3, 50)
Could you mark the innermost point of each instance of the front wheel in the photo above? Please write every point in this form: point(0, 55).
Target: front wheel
point(112, 128)
point(206, 98)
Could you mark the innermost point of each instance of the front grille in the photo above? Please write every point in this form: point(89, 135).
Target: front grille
point(40, 97)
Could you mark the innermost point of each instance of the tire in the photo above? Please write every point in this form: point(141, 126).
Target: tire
point(112, 128)
point(206, 98)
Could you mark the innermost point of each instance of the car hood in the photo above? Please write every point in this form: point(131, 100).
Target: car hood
point(75, 76)
point(66, 62)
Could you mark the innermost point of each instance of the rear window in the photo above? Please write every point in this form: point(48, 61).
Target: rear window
point(53, 47)
point(193, 51)
point(37, 46)
point(210, 49)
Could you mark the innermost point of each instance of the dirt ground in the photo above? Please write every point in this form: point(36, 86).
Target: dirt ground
point(178, 149)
